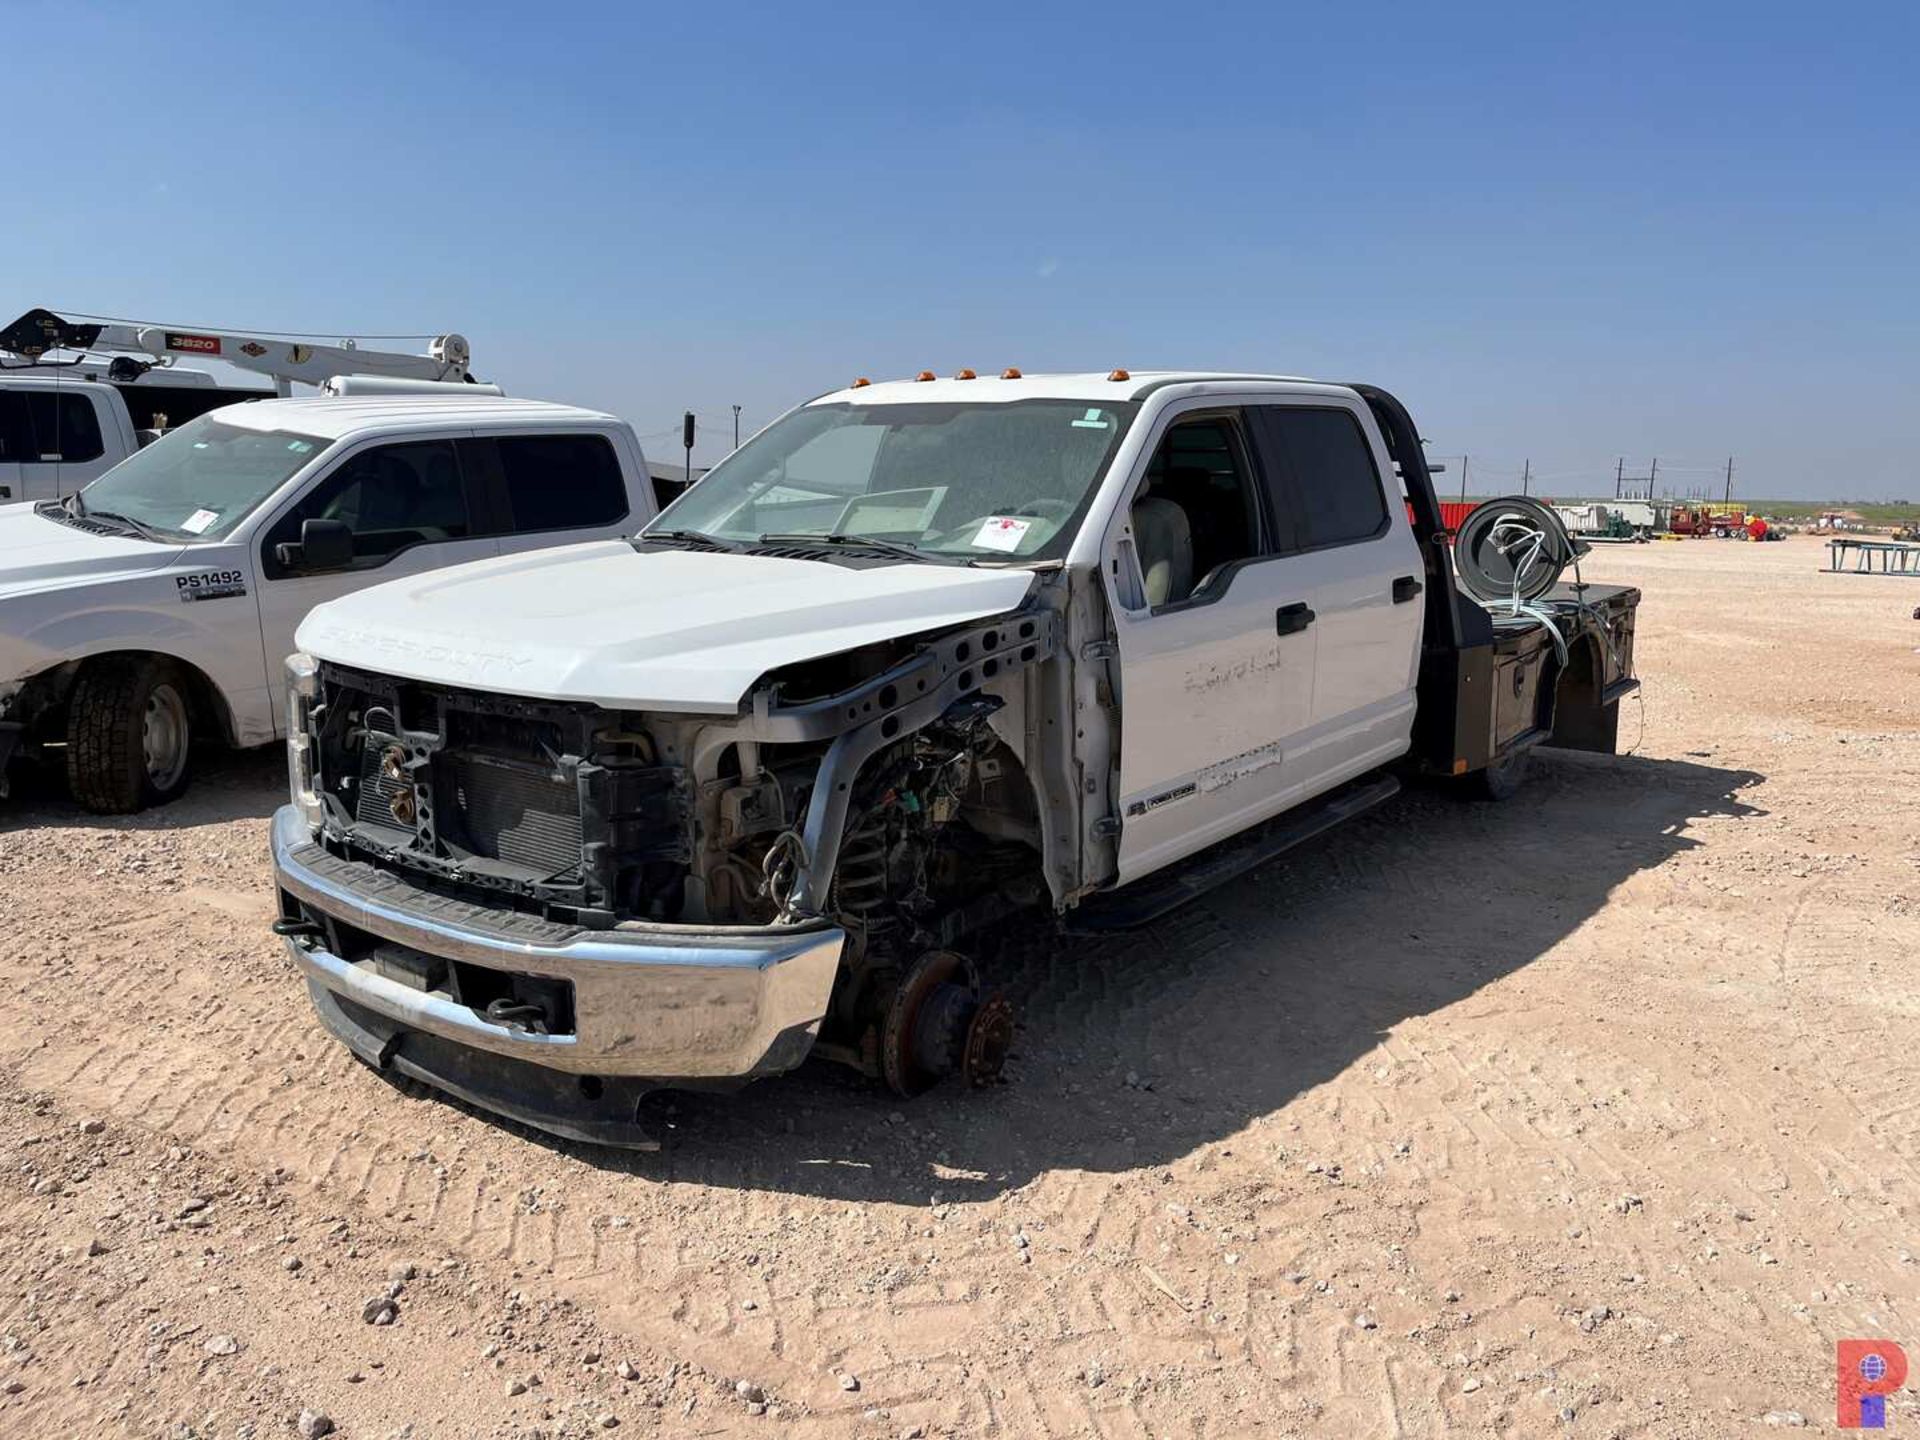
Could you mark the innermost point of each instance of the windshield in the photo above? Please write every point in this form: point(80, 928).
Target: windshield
point(201, 480)
point(1005, 481)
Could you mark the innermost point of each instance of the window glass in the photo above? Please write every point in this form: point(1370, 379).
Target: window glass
point(1197, 510)
point(561, 482)
point(1323, 470)
point(392, 497)
point(979, 480)
point(65, 427)
point(201, 480)
point(16, 427)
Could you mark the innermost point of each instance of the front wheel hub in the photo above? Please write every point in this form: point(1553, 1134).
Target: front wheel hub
point(937, 1024)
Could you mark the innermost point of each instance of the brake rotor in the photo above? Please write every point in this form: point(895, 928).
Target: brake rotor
point(928, 1023)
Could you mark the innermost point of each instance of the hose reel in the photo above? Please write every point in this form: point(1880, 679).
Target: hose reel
point(1509, 552)
point(1512, 548)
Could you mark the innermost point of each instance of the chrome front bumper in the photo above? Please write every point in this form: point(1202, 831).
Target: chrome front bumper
point(662, 1004)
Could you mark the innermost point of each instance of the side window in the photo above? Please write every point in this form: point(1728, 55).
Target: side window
point(16, 428)
point(65, 428)
point(1197, 511)
point(1321, 473)
point(561, 482)
point(392, 497)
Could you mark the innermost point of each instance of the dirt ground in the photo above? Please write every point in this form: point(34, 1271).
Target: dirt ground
point(1596, 1113)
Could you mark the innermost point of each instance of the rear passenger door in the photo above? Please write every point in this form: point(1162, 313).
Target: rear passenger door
point(549, 489)
point(1357, 565)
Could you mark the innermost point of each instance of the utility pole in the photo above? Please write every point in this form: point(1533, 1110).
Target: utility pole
point(1653, 474)
point(1619, 475)
point(736, 427)
point(1526, 476)
point(1463, 479)
point(1729, 480)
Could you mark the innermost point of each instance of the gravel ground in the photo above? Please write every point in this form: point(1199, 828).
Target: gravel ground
point(1593, 1114)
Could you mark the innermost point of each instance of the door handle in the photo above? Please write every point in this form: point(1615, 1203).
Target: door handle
point(1292, 619)
point(1405, 588)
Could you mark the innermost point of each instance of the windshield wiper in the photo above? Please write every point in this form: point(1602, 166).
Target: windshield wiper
point(906, 549)
point(690, 537)
point(136, 527)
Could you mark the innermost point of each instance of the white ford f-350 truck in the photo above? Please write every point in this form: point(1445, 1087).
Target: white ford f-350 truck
point(919, 659)
point(158, 604)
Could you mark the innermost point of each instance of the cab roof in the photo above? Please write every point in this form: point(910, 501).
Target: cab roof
point(334, 418)
point(1079, 386)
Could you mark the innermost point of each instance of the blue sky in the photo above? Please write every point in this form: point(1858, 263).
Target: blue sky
point(1681, 230)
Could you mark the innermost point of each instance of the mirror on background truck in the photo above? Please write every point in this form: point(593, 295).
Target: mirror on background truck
point(323, 545)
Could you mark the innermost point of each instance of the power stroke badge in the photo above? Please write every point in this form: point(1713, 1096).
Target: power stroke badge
point(210, 584)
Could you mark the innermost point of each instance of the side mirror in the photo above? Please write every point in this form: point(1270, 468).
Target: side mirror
point(323, 545)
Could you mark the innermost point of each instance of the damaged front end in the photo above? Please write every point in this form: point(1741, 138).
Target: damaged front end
point(476, 883)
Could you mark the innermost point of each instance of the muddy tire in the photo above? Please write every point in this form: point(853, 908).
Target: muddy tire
point(129, 734)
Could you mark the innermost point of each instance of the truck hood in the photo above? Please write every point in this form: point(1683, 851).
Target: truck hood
point(38, 553)
point(661, 630)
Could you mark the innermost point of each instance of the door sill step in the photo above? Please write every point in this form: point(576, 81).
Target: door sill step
point(1167, 890)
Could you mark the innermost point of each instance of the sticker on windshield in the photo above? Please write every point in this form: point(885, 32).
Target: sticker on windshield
point(198, 521)
point(210, 584)
point(1002, 532)
point(1093, 420)
point(299, 447)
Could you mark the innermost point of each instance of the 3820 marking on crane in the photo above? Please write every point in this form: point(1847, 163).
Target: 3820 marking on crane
point(210, 584)
point(194, 344)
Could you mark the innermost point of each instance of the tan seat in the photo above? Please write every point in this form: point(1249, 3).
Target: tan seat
point(1164, 537)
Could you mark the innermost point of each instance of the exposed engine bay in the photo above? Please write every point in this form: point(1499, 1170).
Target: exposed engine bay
point(883, 789)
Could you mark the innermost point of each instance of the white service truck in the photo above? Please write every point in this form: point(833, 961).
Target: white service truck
point(920, 659)
point(157, 605)
point(77, 396)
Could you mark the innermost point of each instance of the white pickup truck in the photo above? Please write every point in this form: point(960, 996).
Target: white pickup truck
point(920, 658)
point(158, 604)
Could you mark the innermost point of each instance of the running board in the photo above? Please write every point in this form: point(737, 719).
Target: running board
point(1167, 890)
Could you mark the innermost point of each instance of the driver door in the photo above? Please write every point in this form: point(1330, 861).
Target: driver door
point(410, 509)
point(1217, 653)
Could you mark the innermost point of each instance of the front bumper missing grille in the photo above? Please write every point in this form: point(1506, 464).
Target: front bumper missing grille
point(652, 1005)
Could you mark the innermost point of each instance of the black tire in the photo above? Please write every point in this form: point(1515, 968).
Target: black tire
point(129, 733)
point(1503, 779)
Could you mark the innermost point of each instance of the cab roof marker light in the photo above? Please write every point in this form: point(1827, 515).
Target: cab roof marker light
point(861, 383)
point(1119, 375)
point(924, 375)
point(966, 375)
point(1012, 372)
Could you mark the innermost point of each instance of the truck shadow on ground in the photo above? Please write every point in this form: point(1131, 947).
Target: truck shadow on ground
point(227, 785)
point(1136, 1049)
